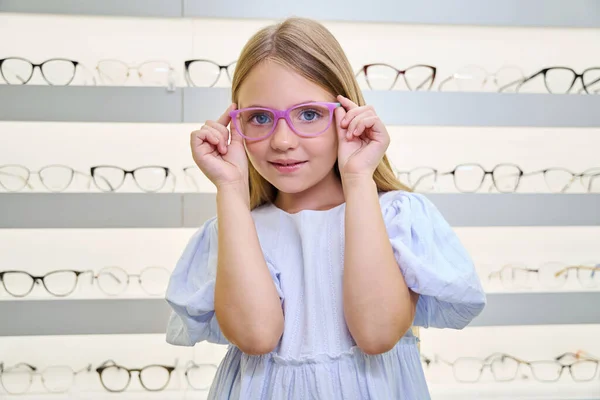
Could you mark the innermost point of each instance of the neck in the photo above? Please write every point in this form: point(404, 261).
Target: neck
point(326, 194)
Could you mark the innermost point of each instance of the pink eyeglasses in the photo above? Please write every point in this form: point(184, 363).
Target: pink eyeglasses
point(306, 120)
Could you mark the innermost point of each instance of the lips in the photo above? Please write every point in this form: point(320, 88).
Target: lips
point(287, 163)
point(286, 166)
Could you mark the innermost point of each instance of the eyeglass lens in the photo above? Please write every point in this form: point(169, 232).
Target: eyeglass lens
point(17, 379)
point(201, 376)
point(57, 283)
point(309, 120)
point(115, 72)
point(114, 280)
point(17, 71)
point(384, 77)
point(153, 377)
point(205, 73)
point(111, 178)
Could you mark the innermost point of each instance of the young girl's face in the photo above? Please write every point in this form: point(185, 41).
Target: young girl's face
point(289, 162)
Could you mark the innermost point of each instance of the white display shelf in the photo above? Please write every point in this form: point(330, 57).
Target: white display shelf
point(157, 105)
point(191, 210)
point(136, 316)
point(554, 13)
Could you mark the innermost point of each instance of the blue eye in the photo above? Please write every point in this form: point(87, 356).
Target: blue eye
point(309, 115)
point(260, 119)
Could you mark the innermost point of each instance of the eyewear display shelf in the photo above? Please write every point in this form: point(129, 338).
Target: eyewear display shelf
point(138, 210)
point(190, 210)
point(551, 13)
point(195, 105)
point(140, 316)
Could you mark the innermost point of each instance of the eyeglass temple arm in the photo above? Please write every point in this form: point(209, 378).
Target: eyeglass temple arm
point(108, 273)
point(430, 78)
point(513, 83)
point(174, 181)
point(586, 86)
point(572, 267)
point(525, 80)
point(88, 368)
point(442, 83)
point(16, 75)
point(85, 175)
point(106, 181)
point(438, 359)
point(26, 181)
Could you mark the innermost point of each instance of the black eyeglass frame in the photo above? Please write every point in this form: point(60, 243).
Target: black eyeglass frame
point(190, 81)
point(35, 279)
point(544, 73)
point(111, 364)
point(365, 68)
point(128, 172)
point(41, 67)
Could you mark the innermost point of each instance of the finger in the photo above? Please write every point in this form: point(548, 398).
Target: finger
point(339, 114)
point(213, 136)
point(225, 118)
point(356, 119)
point(223, 133)
point(346, 102)
point(200, 147)
point(367, 123)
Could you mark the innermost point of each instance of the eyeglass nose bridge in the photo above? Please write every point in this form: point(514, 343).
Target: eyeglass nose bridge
point(285, 115)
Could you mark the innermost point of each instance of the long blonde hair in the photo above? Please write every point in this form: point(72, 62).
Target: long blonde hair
point(312, 51)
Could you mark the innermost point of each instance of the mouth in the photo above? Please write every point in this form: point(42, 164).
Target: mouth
point(287, 165)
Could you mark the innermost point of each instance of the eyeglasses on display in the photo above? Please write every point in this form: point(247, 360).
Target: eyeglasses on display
point(506, 368)
point(116, 378)
point(467, 177)
point(150, 178)
point(550, 275)
point(306, 120)
point(55, 178)
point(151, 73)
point(561, 80)
point(475, 78)
point(58, 283)
point(55, 71)
point(114, 280)
point(506, 178)
point(206, 73)
point(18, 378)
point(200, 376)
point(559, 180)
point(381, 76)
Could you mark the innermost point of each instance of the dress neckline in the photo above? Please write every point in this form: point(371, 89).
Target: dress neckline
point(307, 211)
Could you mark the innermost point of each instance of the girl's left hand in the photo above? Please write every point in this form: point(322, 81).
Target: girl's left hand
point(362, 138)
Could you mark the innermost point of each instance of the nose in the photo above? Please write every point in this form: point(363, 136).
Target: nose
point(283, 138)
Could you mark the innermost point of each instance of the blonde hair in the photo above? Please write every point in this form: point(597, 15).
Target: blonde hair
point(312, 51)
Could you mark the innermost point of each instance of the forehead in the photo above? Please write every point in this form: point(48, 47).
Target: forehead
point(270, 84)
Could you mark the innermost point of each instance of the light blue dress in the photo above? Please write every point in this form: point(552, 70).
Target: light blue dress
point(316, 357)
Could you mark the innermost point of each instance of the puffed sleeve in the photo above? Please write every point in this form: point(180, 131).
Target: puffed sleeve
point(434, 263)
point(191, 291)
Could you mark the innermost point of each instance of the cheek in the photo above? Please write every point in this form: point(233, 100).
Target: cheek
point(256, 151)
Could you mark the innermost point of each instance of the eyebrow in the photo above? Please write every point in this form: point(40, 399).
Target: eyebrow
point(297, 104)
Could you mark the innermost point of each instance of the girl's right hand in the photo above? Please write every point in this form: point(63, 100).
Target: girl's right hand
point(223, 164)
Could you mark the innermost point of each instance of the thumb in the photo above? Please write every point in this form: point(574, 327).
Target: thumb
point(339, 114)
point(224, 119)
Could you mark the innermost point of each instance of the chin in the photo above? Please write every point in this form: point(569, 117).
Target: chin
point(290, 187)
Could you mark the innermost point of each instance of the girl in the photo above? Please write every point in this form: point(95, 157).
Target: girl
point(319, 260)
